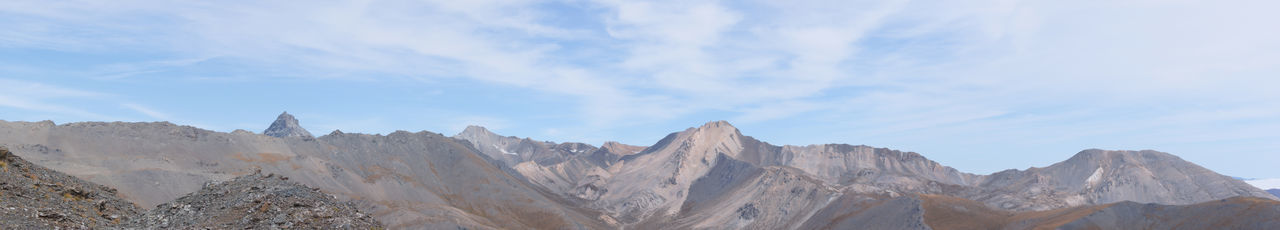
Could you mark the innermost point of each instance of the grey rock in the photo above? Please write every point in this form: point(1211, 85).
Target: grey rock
point(255, 201)
point(287, 126)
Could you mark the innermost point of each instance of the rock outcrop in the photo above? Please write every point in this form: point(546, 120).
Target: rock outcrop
point(287, 126)
point(255, 201)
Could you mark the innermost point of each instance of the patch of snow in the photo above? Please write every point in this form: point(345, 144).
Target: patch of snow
point(504, 151)
point(1075, 200)
point(1264, 184)
point(1096, 177)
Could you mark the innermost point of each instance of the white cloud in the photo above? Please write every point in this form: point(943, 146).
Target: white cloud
point(150, 112)
point(1013, 69)
point(44, 98)
point(1265, 183)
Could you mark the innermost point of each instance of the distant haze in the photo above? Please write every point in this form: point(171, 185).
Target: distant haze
point(1265, 184)
point(981, 86)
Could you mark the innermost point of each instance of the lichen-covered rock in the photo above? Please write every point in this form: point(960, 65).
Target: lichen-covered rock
point(255, 201)
point(35, 197)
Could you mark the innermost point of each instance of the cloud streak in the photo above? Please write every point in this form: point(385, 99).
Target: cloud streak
point(990, 71)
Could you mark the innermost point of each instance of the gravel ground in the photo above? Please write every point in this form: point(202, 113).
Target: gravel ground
point(255, 201)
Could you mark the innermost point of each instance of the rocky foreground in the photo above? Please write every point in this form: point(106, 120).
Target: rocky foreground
point(35, 197)
point(255, 202)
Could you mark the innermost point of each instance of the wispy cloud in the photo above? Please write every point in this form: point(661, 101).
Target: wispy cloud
point(1008, 69)
point(39, 97)
point(153, 113)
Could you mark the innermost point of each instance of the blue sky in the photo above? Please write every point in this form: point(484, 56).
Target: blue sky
point(978, 85)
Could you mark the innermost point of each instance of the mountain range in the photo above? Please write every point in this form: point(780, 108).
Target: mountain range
point(706, 177)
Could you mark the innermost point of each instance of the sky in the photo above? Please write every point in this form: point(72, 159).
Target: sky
point(978, 85)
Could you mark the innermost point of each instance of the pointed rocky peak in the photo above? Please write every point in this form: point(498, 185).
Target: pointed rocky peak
point(286, 126)
point(717, 131)
point(715, 134)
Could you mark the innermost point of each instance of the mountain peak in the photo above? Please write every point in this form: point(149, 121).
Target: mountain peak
point(717, 124)
point(286, 126)
point(476, 129)
point(1101, 155)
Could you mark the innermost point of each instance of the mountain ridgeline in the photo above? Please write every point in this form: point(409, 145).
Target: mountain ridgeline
point(706, 177)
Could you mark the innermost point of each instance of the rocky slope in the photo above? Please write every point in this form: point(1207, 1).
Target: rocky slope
point(254, 201)
point(287, 126)
point(1274, 192)
point(739, 195)
point(574, 171)
point(1099, 177)
point(34, 197)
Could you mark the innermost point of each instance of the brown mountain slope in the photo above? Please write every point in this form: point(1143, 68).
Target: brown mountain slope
point(943, 212)
point(1233, 213)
